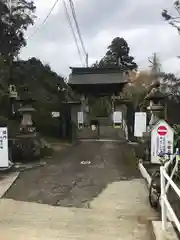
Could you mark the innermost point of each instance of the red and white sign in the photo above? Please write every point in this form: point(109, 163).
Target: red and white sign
point(162, 138)
point(162, 130)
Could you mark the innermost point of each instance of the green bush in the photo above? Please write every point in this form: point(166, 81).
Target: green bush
point(176, 128)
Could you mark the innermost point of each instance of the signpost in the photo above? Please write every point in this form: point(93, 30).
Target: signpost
point(140, 124)
point(4, 156)
point(162, 138)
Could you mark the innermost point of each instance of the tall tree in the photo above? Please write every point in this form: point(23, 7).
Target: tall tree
point(137, 89)
point(14, 20)
point(174, 20)
point(171, 86)
point(117, 55)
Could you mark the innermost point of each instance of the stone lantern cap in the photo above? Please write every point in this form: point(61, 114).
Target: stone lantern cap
point(155, 93)
point(26, 101)
point(155, 108)
point(26, 110)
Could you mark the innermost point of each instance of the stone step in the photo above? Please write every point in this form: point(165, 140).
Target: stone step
point(36, 221)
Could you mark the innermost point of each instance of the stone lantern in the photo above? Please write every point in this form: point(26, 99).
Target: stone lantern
point(157, 112)
point(156, 106)
point(28, 140)
point(26, 110)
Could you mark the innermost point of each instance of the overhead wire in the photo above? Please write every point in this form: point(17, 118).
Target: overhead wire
point(77, 27)
point(70, 24)
point(73, 32)
point(44, 21)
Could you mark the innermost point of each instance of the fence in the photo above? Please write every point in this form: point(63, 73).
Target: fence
point(167, 211)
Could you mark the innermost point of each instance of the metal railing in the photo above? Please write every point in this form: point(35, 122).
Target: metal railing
point(167, 212)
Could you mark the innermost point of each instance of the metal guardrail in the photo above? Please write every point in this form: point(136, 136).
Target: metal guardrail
point(167, 212)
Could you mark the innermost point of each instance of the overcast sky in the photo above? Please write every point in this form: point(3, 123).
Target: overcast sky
point(138, 21)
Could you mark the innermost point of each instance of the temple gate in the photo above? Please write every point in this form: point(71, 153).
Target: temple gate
point(99, 94)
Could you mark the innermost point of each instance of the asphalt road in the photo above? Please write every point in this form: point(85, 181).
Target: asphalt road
point(65, 181)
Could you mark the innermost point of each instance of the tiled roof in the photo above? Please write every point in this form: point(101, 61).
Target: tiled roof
point(100, 78)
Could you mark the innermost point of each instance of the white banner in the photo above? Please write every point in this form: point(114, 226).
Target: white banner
point(80, 117)
point(140, 124)
point(117, 117)
point(4, 156)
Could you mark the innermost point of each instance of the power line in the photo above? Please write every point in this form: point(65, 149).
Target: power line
point(78, 29)
point(45, 20)
point(76, 23)
point(72, 30)
point(70, 24)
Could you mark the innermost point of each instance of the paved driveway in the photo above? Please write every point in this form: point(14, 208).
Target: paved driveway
point(65, 181)
point(109, 186)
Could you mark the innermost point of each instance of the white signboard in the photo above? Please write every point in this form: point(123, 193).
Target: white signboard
point(4, 156)
point(80, 117)
point(117, 117)
point(162, 138)
point(93, 127)
point(55, 114)
point(140, 124)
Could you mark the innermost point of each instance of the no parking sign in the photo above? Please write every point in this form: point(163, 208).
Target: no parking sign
point(162, 138)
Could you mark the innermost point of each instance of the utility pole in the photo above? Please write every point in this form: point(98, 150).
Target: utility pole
point(87, 60)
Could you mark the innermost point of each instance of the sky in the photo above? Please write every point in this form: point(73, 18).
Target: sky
point(139, 22)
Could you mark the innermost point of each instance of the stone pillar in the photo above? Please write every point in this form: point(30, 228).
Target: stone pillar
point(120, 105)
point(85, 108)
point(71, 113)
point(13, 96)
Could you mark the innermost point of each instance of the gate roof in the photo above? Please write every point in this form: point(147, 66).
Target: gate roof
point(100, 81)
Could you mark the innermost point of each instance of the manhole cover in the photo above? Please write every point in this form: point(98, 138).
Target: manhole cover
point(85, 162)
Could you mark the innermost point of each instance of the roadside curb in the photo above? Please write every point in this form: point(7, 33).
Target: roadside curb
point(144, 173)
point(159, 234)
point(6, 182)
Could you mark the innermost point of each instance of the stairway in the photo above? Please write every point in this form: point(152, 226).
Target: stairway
point(33, 221)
